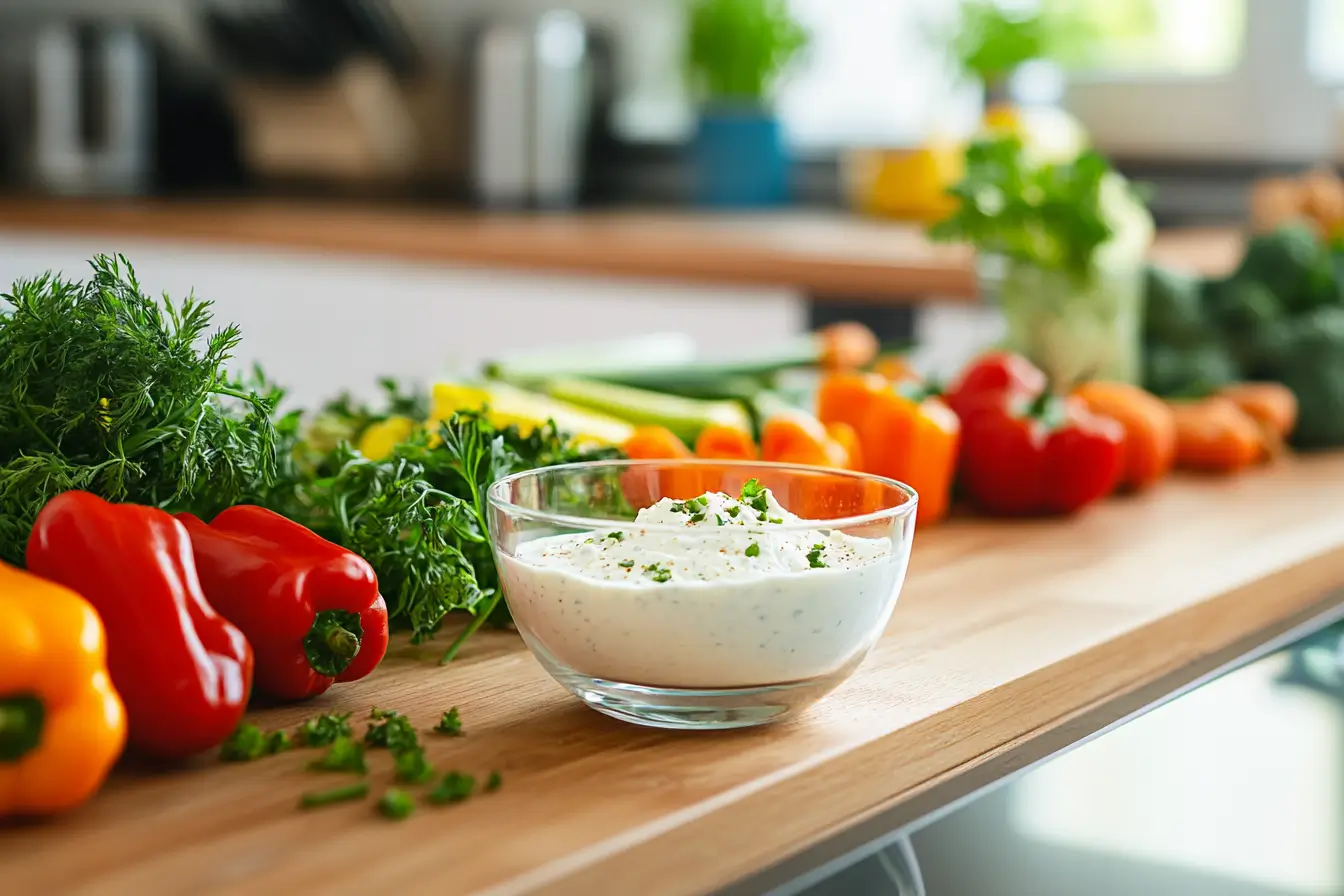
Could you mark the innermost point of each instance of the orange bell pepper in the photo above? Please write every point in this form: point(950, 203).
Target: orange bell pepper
point(911, 435)
point(847, 437)
point(845, 397)
point(719, 442)
point(62, 726)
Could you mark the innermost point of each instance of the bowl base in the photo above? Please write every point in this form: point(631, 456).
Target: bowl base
point(698, 709)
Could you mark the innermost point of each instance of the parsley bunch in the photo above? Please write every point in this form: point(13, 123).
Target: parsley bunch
point(418, 515)
point(1050, 215)
point(107, 389)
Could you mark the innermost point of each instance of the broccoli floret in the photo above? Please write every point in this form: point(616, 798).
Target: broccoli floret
point(1293, 264)
point(1194, 370)
point(1310, 361)
point(1172, 313)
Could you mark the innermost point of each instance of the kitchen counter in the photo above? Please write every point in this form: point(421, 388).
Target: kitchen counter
point(826, 256)
point(1013, 640)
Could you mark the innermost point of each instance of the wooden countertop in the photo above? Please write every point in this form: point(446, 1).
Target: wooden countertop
point(1006, 635)
point(826, 255)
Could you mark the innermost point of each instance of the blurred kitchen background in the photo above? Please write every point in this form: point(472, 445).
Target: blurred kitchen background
point(410, 135)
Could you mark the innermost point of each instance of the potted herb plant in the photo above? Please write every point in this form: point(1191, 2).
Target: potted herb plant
point(736, 52)
point(1064, 245)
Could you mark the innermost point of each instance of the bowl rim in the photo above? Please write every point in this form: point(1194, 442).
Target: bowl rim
point(494, 492)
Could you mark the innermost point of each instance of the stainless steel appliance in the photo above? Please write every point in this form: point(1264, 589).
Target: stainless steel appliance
point(531, 100)
point(93, 110)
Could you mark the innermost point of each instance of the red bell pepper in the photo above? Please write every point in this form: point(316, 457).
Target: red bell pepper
point(183, 671)
point(989, 377)
point(310, 608)
point(1024, 454)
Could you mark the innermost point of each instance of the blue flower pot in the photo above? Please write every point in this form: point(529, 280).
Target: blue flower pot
point(739, 159)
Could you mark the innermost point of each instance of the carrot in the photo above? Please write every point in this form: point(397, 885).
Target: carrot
point(895, 368)
point(796, 437)
point(1272, 405)
point(1216, 436)
point(654, 443)
point(1150, 428)
point(725, 443)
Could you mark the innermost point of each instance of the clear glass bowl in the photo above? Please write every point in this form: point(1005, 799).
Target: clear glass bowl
point(691, 652)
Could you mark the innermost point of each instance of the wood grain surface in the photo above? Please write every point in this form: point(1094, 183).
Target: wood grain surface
point(1004, 630)
point(830, 256)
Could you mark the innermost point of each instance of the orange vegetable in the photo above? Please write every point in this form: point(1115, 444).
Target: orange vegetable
point(1272, 405)
point(844, 397)
point(642, 488)
point(911, 435)
point(1150, 429)
point(654, 443)
point(796, 437)
point(847, 437)
point(847, 346)
point(895, 368)
point(1215, 435)
point(725, 443)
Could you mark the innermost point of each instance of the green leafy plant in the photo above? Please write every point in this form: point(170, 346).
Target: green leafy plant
point(108, 389)
point(738, 49)
point(1051, 215)
point(990, 39)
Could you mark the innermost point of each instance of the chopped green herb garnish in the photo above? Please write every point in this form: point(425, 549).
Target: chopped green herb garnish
point(616, 536)
point(454, 788)
point(698, 517)
point(323, 730)
point(344, 755)
point(814, 556)
point(774, 519)
point(450, 724)
point(718, 519)
point(394, 732)
point(734, 510)
point(590, 541)
point(753, 550)
point(396, 804)
point(493, 782)
point(356, 791)
point(753, 495)
point(246, 743)
point(278, 742)
point(376, 713)
point(626, 564)
point(657, 573)
point(678, 507)
point(412, 767)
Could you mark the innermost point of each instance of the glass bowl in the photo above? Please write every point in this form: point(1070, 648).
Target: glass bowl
point(683, 631)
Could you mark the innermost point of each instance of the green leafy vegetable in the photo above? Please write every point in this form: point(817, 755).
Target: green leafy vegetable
point(396, 804)
point(278, 742)
point(1050, 215)
point(417, 516)
point(344, 755)
point(246, 743)
point(393, 731)
point(323, 730)
point(412, 767)
point(107, 389)
point(450, 724)
point(454, 788)
point(753, 495)
point(493, 782)
point(356, 791)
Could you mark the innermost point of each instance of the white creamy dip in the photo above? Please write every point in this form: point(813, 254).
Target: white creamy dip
point(709, 593)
